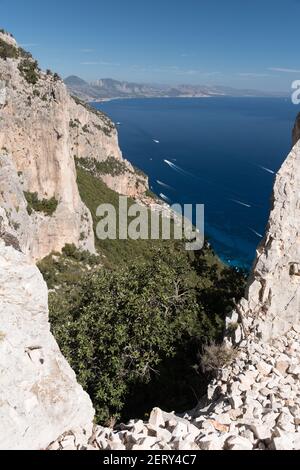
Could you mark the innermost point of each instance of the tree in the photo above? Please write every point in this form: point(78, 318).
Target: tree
point(118, 326)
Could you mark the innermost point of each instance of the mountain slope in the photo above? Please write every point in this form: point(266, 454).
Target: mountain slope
point(107, 88)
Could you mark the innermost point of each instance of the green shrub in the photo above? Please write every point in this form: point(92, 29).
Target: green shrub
point(111, 166)
point(8, 51)
point(29, 70)
point(47, 206)
point(73, 124)
point(119, 325)
point(66, 269)
point(24, 54)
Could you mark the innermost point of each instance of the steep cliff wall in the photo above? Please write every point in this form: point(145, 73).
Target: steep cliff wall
point(42, 129)
point(272, 303)
point(39, 396)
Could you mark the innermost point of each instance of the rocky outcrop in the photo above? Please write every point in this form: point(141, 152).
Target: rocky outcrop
point(42, 129)
point(38, 233)
point(272, 303)
point(39, 396)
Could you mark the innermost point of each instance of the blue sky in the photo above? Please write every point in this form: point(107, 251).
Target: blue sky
point(240, 43)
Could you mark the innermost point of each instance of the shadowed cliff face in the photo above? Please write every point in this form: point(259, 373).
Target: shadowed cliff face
point(296, 130)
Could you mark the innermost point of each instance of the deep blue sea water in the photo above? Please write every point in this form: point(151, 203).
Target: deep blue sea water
point(223, 153)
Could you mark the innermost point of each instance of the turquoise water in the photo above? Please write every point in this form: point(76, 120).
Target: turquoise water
point(221, 152)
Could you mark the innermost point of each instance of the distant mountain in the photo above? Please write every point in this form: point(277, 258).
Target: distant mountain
point(108, 88)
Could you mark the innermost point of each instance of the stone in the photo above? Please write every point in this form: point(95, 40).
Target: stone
point(235, 414)
point(193, 431)
point(236, 401)
point(138, 427)
point(264, 368)
point(283, 443)
point(180, 430)
point(116, 446)
point(261, 431)
point(39, 392)
point(164, 435)
point(218, 426)
point(238, 443)
point(210, 443)
point(148, 442)
point(282, 366)
point(54, 446)
point(294, 369)
point(156, 418)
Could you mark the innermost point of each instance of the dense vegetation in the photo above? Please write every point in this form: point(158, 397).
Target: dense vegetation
point(119, 328)
point(47, 206)
point(111, 166)
point(28, 67)
point(133, 321)
point(29, 70)
point(94, 192)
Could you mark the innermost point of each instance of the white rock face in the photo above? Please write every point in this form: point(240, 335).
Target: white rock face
point(39, 396)
point(34, 136)
point(42, 129)
point(272, 304)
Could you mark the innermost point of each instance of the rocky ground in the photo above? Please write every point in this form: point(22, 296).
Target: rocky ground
point(253, 404)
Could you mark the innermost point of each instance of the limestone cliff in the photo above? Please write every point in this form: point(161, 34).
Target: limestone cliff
point(39, 396)
point(42, 129)
point(272, 302)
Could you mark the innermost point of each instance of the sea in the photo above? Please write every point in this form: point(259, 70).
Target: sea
point(221, 152)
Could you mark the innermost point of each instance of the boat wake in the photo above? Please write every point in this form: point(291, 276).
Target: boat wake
point(268, 170)
point(255, 232)
point(240, 202)
point(164, 185)
point(164, 197)
point(178, 169)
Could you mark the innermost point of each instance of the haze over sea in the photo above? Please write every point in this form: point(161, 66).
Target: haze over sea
point(221, 152)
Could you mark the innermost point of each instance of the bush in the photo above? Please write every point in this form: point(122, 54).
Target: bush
point(8, 51)
point(66, 269)
point(29, 70)
point(217, 356)
point(47, 206)
point(111, 166)
point(119, 325)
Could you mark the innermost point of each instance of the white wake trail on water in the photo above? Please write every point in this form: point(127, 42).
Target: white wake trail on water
point(164, 197)
point(268, 170)
point(181, 171)
point(178, 169)
point(255, 232)
point(164, 184)
point(241, 203)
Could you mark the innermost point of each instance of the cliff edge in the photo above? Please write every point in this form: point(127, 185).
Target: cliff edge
point(43, 131)
point(40, 398)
